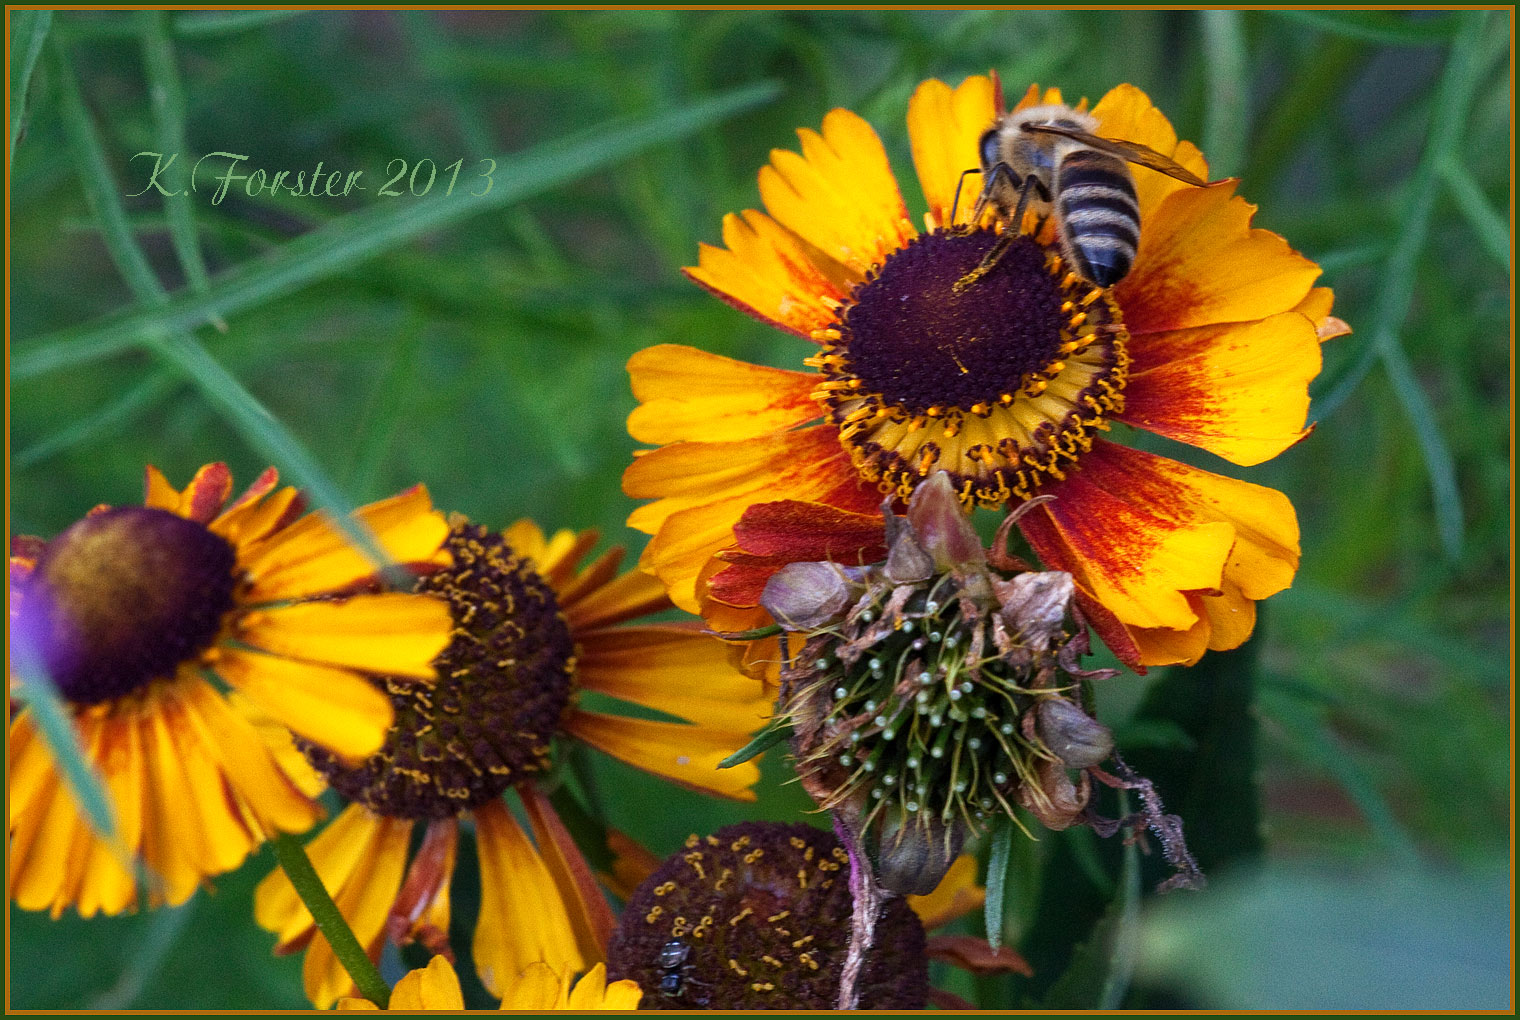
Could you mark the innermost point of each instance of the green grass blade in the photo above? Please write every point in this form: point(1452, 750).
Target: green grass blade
point(100, 190)
point(1379, 26)
point(101, 424)
point(167, 96)
point(29, 31)
point(363, 235)
point(1226, 113)
point(1465, 69)
point(998, 858)
point(204, 23)
point(180, 348)
point(265, 433)
point(1490, 227)
point(51, 716)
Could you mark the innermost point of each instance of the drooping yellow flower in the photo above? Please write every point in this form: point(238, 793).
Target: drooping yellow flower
point(136, 612)
point(540, 987)
point(1007, 384)
point(531, 632)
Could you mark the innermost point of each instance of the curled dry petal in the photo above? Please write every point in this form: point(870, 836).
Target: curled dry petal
point(1074, 736)
point(1057, 802)
point(1035, 606)
point(806, 596)
point(943, 528)
point(907, 561)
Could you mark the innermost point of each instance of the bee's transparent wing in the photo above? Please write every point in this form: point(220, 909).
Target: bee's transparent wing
point(1132, 152)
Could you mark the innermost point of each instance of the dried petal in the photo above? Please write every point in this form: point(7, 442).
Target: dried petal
point(907, 561)
point(943, 527)
point(1035, 606)
point(1057, 802)
point(1074, 736)
point(806, 596)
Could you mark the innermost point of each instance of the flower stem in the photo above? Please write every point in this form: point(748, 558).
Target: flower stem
point(297, 866)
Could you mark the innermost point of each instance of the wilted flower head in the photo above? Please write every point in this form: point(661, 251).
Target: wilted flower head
point(936, 689)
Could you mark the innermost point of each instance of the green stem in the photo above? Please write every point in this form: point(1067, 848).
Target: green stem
point(297, 867)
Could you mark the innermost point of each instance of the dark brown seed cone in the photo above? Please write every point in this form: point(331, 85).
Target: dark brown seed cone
point(757, 916)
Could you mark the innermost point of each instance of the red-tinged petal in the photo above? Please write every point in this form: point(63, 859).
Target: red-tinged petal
point(975, 955)
point(632, 863)
point(687, 394)
point(1127, 114)
point(420, 911)
point(590, 916)
point(790, 530)
point(944, 125)
point(1134, 543)
point(769, 274)
point(1265, 555)
point(839, 195)
point(702, 490)
point(1240, 391)
point(203, 498)
point(1200, 262)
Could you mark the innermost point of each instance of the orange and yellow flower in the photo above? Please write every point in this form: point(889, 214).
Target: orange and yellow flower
point(539, 987)
point(138, 613)
point(533, 630)
point(1006, 383)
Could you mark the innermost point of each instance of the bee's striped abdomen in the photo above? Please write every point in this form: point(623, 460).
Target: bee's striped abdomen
point(1098, 215)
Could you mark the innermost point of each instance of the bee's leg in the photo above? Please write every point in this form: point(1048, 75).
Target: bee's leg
point(981, 200)
point(1010, 231)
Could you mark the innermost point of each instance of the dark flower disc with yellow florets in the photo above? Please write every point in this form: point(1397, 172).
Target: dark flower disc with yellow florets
point(504, 683)
point(757, 916)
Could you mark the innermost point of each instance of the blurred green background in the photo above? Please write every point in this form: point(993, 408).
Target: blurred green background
point(1345, 779)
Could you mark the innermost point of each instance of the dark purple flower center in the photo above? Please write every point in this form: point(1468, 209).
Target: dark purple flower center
point(125, 597)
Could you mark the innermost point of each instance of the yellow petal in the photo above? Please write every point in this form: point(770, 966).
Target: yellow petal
point(956, 895)
point(522, 918)
point(839, 195)
point(337, 708)
point(273, 802)
point(391, 633)
point(314, 556)
point(675, 669)
point(769, 274)
point(1127, 114)
point(590, 917)
point(944, 126)
point(364, 901)
point(1200, 262)
point(703, 488)
point(538, 987)
point(435, 986)
point(1240, 391)
point(593, 993)
point(689, 755)
point(335, 853)
point(690, 394)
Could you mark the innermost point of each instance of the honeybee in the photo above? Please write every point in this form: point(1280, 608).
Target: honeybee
point(1048, 158)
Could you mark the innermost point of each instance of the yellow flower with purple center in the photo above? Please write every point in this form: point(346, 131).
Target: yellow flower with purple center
point(142, 616)
point(532, 630)
point(1006, 384)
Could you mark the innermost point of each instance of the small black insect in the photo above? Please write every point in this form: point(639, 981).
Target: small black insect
point(673, 960)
